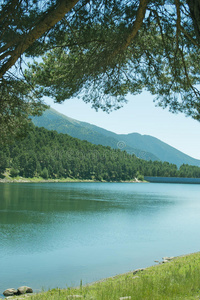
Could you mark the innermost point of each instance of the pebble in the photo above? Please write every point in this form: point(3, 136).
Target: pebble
point(168, 258)
point(138, 270)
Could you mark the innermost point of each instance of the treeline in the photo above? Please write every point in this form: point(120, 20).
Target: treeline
point(55, 155)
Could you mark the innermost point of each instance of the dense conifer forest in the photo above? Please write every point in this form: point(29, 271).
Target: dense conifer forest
point(49, 154)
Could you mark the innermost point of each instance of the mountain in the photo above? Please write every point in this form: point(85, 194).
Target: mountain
point(52, 120)
point(143, 146)
point(49, 154)
point(162, 150)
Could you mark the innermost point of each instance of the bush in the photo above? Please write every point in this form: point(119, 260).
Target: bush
point(140, 177)
point(14, 172)
point(45, 173)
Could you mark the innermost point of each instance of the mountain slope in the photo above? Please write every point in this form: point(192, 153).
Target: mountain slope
point(143, 146)
point(159, 148)
point(52, 120)
point(49, 154)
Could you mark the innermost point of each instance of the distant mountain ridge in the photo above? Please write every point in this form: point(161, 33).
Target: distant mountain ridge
point(53, 120)
point(143, 146)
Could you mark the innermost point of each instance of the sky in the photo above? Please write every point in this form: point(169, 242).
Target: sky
point(139, 115)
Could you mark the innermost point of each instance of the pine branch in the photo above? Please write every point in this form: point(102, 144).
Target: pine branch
point(8, 9)
point(45, 23)
point(134, 30)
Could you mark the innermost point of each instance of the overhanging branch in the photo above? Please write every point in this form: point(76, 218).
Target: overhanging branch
point(47, 22)
point(135, 28)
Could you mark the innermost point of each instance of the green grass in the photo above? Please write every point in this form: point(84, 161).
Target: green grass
point(177, 279)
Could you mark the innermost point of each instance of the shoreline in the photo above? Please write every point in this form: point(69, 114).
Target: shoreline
point(100, 280)
point(163, 267)
point(64, 180)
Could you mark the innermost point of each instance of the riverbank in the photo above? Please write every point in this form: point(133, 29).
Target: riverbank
point(18, 179)
point(178, 278)
point(39, 180)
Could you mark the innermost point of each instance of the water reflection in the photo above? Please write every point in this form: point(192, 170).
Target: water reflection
point(73, 197)
point(92, 230)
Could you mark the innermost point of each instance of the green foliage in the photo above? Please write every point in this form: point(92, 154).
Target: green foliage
point(3, 160)
point(52, 120)
point(143, 146)
point(140, 177)
point(17, 103)
point(53, 155)
point(98, 50)
point(14, 172)
point(45, 173)
point(162, 58)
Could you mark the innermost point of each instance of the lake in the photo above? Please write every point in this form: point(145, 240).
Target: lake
point(56, 234)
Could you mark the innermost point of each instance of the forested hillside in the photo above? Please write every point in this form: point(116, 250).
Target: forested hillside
point(53, 120)
point(143, 146)
point(55, 155)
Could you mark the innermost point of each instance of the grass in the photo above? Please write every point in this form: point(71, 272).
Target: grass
point(177, 279)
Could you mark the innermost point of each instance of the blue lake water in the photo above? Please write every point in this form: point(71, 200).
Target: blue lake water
point(56, 234)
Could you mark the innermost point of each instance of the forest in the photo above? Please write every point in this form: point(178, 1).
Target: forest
point(52, 155)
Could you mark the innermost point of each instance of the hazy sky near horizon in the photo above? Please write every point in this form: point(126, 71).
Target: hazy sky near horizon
point(139, 115)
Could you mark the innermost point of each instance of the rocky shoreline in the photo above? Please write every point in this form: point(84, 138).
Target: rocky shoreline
point(22, 290)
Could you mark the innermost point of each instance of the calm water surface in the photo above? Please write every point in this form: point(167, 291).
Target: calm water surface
point(56, 234)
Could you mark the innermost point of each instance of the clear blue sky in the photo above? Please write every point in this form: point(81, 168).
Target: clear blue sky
point(140, 115)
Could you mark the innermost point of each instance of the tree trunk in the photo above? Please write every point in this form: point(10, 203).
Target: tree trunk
point(194, 6)
point(47, 22)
